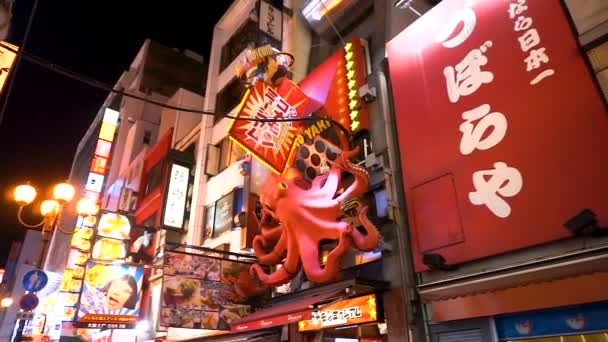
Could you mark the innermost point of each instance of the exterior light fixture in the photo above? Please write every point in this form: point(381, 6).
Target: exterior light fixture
point(6, 302)
point(49, 208)
point(25, 194)
point(63, 192)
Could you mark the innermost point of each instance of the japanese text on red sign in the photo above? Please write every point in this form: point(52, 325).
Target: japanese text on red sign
point(271, 134)
point(529, 41)
point(481, 129)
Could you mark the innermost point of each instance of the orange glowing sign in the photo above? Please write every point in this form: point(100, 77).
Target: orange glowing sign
point(109, 250)
point(270, 142)
point(99, 164)
point(115, 226)
point(346, 312)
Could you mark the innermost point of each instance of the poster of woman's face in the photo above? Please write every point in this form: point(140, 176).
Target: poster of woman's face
point(111, 290)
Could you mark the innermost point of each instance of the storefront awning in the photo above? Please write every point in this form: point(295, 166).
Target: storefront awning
point(567, 280)
point(282, 314)
point(565, 266)
point(298, 306)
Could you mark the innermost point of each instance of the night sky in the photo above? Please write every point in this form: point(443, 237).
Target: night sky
point(47, 114)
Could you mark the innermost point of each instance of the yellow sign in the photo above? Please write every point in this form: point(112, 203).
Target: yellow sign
point(7, 58)
point(345, 312)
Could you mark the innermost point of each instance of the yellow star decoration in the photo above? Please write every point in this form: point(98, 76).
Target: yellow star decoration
point(371, 302)
point(302, 324)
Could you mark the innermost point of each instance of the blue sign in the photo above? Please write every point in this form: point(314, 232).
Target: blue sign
point(28, 302)
point(554, 322)
point(34, 281)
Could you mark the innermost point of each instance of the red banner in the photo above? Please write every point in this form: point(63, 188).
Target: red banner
point(501, 128)
point(272, 321)
point(270, 142)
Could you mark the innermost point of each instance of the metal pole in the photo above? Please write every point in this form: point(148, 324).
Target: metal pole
point(47, 228)
point(11, 80)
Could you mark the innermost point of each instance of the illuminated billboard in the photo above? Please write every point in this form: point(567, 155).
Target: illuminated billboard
point(270, 142)
point(110, 296)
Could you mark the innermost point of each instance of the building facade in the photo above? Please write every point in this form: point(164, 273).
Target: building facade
point(525, 265)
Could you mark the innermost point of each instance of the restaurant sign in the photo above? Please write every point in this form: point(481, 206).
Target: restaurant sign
point(498, 148)
point(270, 142)
point(346, 312)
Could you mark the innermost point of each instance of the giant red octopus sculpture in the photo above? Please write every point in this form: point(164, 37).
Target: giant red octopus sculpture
point(296, 219)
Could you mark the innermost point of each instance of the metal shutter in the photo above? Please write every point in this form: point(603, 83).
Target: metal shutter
point(471, 335)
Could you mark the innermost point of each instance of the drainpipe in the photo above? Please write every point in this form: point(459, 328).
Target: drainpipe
point(417, 329)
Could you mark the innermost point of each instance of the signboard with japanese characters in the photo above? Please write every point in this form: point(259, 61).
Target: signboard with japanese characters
point(345, 312)
point(270, 23)
point(501, 127)
point(271, 142)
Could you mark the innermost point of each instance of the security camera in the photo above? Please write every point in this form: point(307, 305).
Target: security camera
point(436, 261)
point(585, 224)
point(367, 93)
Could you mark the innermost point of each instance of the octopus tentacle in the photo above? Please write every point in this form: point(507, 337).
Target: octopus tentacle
point(312, 267)
point(359, 186)
point(370, 241)
point(261, 242)
point(272, 234)
point(291, 265)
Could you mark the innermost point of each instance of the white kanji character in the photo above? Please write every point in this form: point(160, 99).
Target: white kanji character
point(517, 9)
point(467, 76)
point(503, 181)
point(522, 23)
point(536, 58)
point(529, 40)
point(474, 136)
point(468, 18)
point(542, 76)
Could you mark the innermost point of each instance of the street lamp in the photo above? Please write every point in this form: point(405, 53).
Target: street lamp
point(49, 209)
point(6, 302)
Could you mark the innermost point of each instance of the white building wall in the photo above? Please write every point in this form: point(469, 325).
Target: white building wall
point(294, 30)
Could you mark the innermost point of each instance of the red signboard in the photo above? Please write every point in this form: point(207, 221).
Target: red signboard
point(270, 142)
point(336, 83)
point(501, 128)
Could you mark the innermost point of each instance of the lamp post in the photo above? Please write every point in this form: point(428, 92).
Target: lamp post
point(50, 211)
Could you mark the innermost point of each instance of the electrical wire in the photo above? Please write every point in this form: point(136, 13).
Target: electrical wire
point(19, 54)
point(331, 22)
point(99, 85)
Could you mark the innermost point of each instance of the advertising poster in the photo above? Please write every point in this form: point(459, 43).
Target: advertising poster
point(199, 292)
point(110, 296)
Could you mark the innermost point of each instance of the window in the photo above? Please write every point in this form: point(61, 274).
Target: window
point(228, 98)
point(229, 153)
point(222, 155)
point(147, 137)
point(245, 37)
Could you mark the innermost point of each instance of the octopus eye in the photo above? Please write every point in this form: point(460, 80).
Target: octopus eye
point(283, 186)
point(268, 207)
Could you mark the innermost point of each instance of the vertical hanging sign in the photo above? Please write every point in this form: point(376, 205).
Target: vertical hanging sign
point(270, 23)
